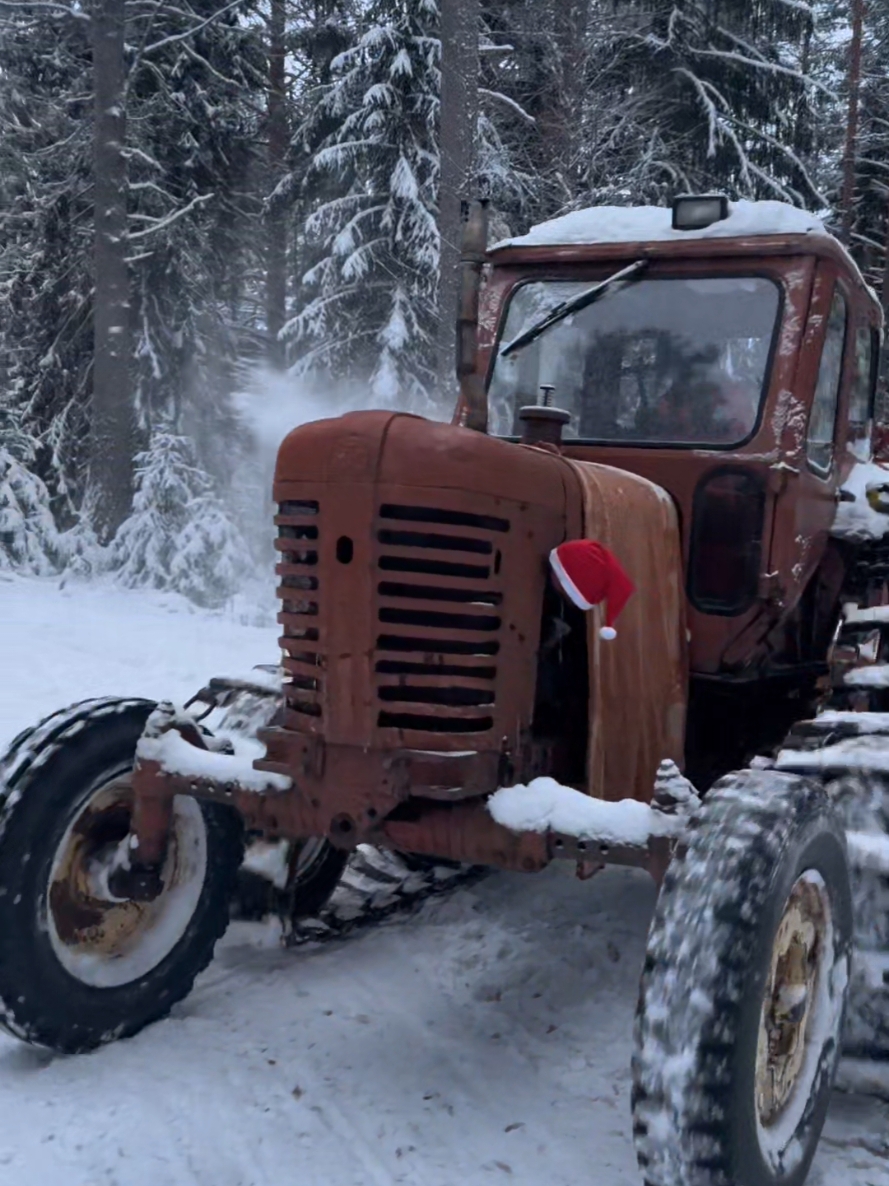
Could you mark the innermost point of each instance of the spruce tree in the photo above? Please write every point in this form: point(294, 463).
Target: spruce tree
point(371, 316)
point(719, 96)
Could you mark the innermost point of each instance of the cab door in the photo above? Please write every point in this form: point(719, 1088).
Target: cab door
point(807, 480)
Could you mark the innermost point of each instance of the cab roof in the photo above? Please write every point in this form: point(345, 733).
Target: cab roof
point(600, 234)
point(653, 224)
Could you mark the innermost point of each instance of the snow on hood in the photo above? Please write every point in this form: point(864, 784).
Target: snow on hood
point(858, 520)
point(646, 224)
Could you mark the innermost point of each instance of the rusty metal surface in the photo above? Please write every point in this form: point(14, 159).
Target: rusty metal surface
point(412, 587)
point(413, 578)
point(590, 855)
point(639, 680)
point(797, 513)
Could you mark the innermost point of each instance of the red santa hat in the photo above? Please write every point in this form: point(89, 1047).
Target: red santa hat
point(588, 575)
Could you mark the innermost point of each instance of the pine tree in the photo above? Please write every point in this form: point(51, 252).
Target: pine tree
point(718, 96)
point(179, 536)
point(29, 540)
point(46, 240)
point(193, 93)
point(196, 106)
point(371, 315)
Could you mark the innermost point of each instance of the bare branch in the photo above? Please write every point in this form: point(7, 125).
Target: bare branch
point(191, 32)
point(510, 103)
point(161, 224)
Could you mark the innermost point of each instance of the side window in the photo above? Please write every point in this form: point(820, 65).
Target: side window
point(822, 421)
point(863, 393)
point(864, 384)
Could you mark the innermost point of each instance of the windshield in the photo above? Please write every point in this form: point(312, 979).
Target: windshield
point(674, 361)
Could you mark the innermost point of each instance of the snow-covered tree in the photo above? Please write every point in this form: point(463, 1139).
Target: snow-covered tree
point(870, 211)
point(372, 310)
point(46, 239)
point(702, 96)
point(193, 97)
point(179, 536)
point(29, 540)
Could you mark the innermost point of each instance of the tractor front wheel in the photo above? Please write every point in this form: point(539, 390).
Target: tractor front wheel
point(744, 989)
point(80, 966)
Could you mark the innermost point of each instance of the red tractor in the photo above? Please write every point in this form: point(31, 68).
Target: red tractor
point(709, 376)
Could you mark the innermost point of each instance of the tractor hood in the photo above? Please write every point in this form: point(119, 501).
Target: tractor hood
point(414, 569)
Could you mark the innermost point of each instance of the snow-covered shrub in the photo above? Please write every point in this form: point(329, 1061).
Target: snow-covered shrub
point(178, 536)
point(29, 540)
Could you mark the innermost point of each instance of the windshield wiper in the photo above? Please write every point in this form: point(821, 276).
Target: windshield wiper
point(573, 305)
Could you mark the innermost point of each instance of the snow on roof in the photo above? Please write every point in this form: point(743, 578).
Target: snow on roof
point(646, 224)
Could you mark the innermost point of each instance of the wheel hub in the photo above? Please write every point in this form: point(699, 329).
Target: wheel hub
point(790, 996)
point(104, 930)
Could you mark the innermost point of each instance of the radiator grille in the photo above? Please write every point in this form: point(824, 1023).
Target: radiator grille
point(440, 618)
point(298, 542)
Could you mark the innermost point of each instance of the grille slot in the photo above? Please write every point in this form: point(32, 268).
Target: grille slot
point(437, 646)
point(441, 620)
point(453, 697)
point(402, 667)
point(434, 724)
point(438, 593)
point(298, 537)
point(447, 518)
point(434, 568)
point(437, 620)
point(430, 539)
point(297, 507)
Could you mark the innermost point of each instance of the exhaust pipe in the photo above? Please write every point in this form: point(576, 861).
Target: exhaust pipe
point(473, 410)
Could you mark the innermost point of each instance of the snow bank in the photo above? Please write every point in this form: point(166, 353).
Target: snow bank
point(178, 756)
point(855, 753)
point(858, 520)
point(864, 722)
point(869, 850)
point(876, 676)
point(638, 224)
point(873, 613)
point(864, 1077)
point(544, 805)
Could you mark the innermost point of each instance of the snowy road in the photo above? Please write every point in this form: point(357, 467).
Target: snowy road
point(485, 1040)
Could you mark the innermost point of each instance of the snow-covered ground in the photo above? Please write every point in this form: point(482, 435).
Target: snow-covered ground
point(485, 1040)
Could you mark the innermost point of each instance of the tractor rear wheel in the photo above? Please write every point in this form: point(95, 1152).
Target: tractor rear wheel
point(744, 988)
point(78, 965)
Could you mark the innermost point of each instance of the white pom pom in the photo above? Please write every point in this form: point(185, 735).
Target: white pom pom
point(608, 633)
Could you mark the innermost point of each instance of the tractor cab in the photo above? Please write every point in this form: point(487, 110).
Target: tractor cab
point(728, 353)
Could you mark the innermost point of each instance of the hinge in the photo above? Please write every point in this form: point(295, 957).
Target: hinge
point(778, 474)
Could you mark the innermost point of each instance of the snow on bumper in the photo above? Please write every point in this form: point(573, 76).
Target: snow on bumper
point(547, 806)
point(174, 755)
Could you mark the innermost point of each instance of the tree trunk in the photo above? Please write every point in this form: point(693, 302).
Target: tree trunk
point(112, 437)
point(276, 218)
point(883, 395)
point(459, 116)
point(849, 158)
point(561, 118)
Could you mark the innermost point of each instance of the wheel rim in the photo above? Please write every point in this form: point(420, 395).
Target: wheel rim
point(284, 863)
point(306, 856)
point(103, 941)
point(799, 1014)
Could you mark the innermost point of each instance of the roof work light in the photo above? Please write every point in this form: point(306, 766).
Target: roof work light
point(693, 213)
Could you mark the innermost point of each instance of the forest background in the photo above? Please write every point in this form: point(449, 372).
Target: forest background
point(215, 216)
